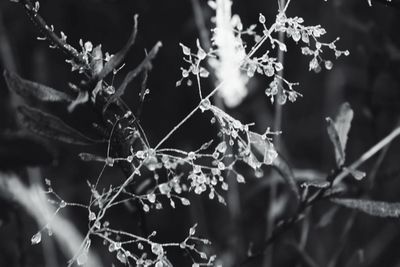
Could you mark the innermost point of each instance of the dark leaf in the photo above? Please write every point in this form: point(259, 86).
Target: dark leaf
point(306, 259)
point(374, 208)
point(118, 58)
point(32, 91)
point(50, 126)
point(18, 151)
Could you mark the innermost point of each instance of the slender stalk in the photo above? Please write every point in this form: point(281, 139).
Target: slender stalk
point(187, 116)
point(368, 154)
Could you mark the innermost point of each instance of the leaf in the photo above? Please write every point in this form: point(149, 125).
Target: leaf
point(334, 136)
point(343, 123)
point(97, 60)
point(374, 208)
point(338, 131)
point(305, 258)
point(81, 98)
point(117, 59)
point(32, 91)
point(270, 157)
point(50, 126)
point(134, 73)
point(282, 166)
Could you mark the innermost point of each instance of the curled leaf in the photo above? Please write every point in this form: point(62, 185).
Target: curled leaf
point(32, 91)
point(371, 207)
point(50, 126)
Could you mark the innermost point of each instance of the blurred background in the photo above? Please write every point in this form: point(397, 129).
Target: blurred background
point(369, 79)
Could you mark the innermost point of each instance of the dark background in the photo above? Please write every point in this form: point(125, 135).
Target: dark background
point(369, 79)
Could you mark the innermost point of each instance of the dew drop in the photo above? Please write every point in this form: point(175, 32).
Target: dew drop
point(205, 104)
point(63, 204)
point(36, 238)
point(92, 216)
point(261, 18)
point(82, 259)
point(121, 257)
point(328, 65)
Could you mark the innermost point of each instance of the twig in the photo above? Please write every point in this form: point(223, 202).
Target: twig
point(143, 92)
point(278, 106)
point(48, 31)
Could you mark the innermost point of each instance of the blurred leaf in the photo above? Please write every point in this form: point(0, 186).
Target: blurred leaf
point(18, 151)
point(286, 172)
point(306, 259)
point(327, 217)
point(50, 126)
point(338, 131)
point(374, 208)
point(82, 98)
point(32, 91)
point(269, 156)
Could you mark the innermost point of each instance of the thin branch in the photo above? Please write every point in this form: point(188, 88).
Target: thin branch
point(368, 154)
point(48, 32)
